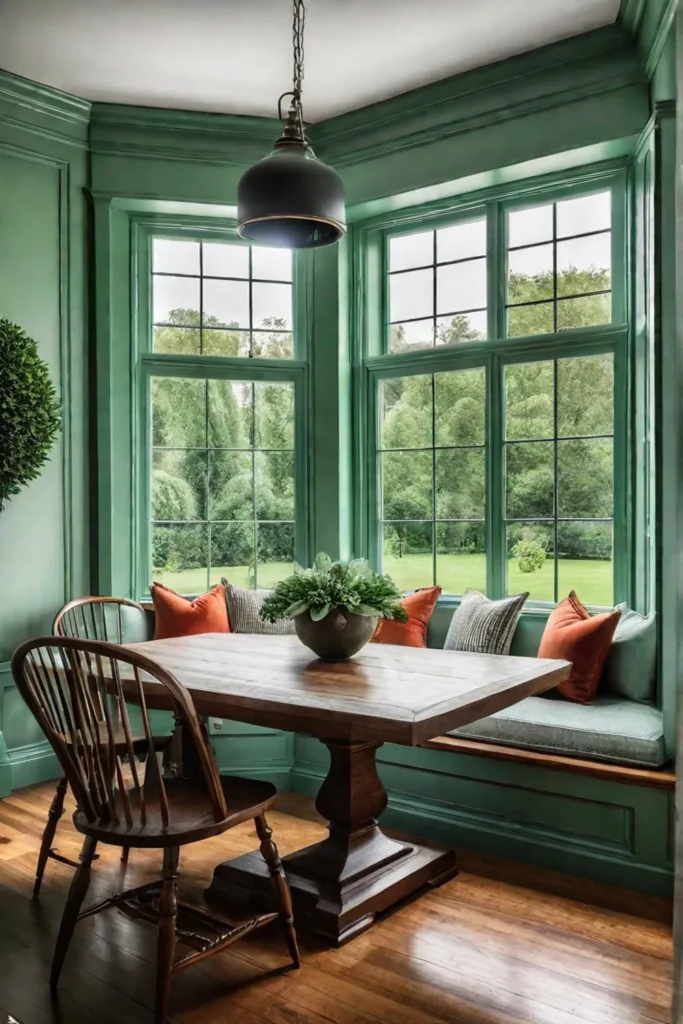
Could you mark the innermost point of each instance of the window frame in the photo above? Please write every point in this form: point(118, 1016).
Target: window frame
point(374, 363)
point(145, 364)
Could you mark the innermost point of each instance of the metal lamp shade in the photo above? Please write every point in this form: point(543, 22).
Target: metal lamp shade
point(291, 200)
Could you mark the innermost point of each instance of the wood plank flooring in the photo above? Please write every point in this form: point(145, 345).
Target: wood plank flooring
point(500, 944)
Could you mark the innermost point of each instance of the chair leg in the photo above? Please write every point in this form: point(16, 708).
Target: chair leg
point(125, 850)
point(54, 814)
point(168, 909)
point(283, 896)
point(74, 901)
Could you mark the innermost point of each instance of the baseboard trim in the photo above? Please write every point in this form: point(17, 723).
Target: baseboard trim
point(446, 825)
point(32, 763)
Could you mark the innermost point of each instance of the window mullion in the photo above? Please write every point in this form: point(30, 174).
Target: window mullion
point(495, 271)
point(495, 457)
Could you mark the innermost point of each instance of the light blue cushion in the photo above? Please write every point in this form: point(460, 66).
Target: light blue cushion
point(609, 729)
point(631, 667)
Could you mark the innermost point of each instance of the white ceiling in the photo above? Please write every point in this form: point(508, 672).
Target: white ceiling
point(234, 56)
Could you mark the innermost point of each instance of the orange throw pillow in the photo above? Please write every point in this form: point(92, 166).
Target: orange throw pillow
point(575, 635)
point(412, 633)
point(176, 616)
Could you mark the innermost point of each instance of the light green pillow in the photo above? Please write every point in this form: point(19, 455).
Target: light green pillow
point(631, 665)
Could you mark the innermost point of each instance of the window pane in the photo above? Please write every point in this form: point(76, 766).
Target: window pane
point(274, 485)
point(272, 344)
point(229, 417)
point(274, 416)
point(524, 320)
point(460, 483)
point(178, 412)
point(220, 259)
point(586, 312)
point(461, 241)
point(530, 474)
point(226, 303)
point(535, 224)
point(406, 412)
point(583, 264)
point(179, 557)
point(221, 341)
point(460, 407)
point(406, 251)
point(585, 561)
point(529, 389)
point(272, 305)
point(231, 485)
point(178, 487)
point(180, 341)
point(411, 295)
point(461, 327)
point(588, 213)
point(174, 257)
point(530, 274)
point(585, 479)
point(531, 565)
point(585, 396)
point(176, 300)
point(407, 554)
point(275, 547)
point(460, 557)
point(232, 553)
point(271, 264)
point(406, 485)
point(461, 286)
point(415, 334)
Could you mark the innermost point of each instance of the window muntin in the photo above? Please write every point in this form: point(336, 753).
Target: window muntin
point(222, 482)
point(432, 493)
point(221, 299)
point(559, 469)
point(437, 289)
point(559, 265)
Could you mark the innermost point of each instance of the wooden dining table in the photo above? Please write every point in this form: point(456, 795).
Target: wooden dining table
point(385, 694)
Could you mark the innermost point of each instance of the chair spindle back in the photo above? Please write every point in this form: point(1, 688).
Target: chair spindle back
point(77, 690)
point(95, 618)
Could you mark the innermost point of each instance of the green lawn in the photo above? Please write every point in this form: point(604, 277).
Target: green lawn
point(592, 580)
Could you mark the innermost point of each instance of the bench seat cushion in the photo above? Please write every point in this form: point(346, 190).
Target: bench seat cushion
point(610, 729)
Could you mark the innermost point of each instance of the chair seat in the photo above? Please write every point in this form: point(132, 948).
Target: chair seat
point(610, 729)
point(190, 813)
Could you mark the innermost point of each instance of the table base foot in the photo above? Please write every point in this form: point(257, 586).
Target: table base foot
point(330, 908)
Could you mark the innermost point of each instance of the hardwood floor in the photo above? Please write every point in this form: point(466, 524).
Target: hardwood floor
point(500, 944)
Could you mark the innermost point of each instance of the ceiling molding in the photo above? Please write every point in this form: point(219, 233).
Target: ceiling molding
point(648, 23)
point(595, 63)
point(68, 116)
point(631, 15)
point(180, 134)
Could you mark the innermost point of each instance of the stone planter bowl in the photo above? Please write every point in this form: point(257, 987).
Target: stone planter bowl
point(338, 636)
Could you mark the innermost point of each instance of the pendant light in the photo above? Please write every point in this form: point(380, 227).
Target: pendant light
point(290, 198)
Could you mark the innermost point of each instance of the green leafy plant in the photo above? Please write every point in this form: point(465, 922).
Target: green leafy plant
point(29, 411)
point(530, 555)
point(329, 585)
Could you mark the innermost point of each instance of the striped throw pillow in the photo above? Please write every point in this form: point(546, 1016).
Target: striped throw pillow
point(484, 626)
point(244, 607)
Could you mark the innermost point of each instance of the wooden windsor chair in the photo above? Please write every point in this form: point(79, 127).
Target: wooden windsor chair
point(65, 681)
point(117, 620)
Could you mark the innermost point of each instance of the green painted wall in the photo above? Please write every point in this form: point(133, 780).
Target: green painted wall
point(44, 535)
point(578, 102)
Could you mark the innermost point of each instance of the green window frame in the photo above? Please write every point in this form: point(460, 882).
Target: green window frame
point(375, 364)
point(148, 365)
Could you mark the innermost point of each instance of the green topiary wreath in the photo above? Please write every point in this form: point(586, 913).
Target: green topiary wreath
point(30, 416)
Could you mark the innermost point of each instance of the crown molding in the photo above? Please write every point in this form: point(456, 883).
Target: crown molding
point(648, 23)
point(40, 107)
point(154, 132)
point(591, 64)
